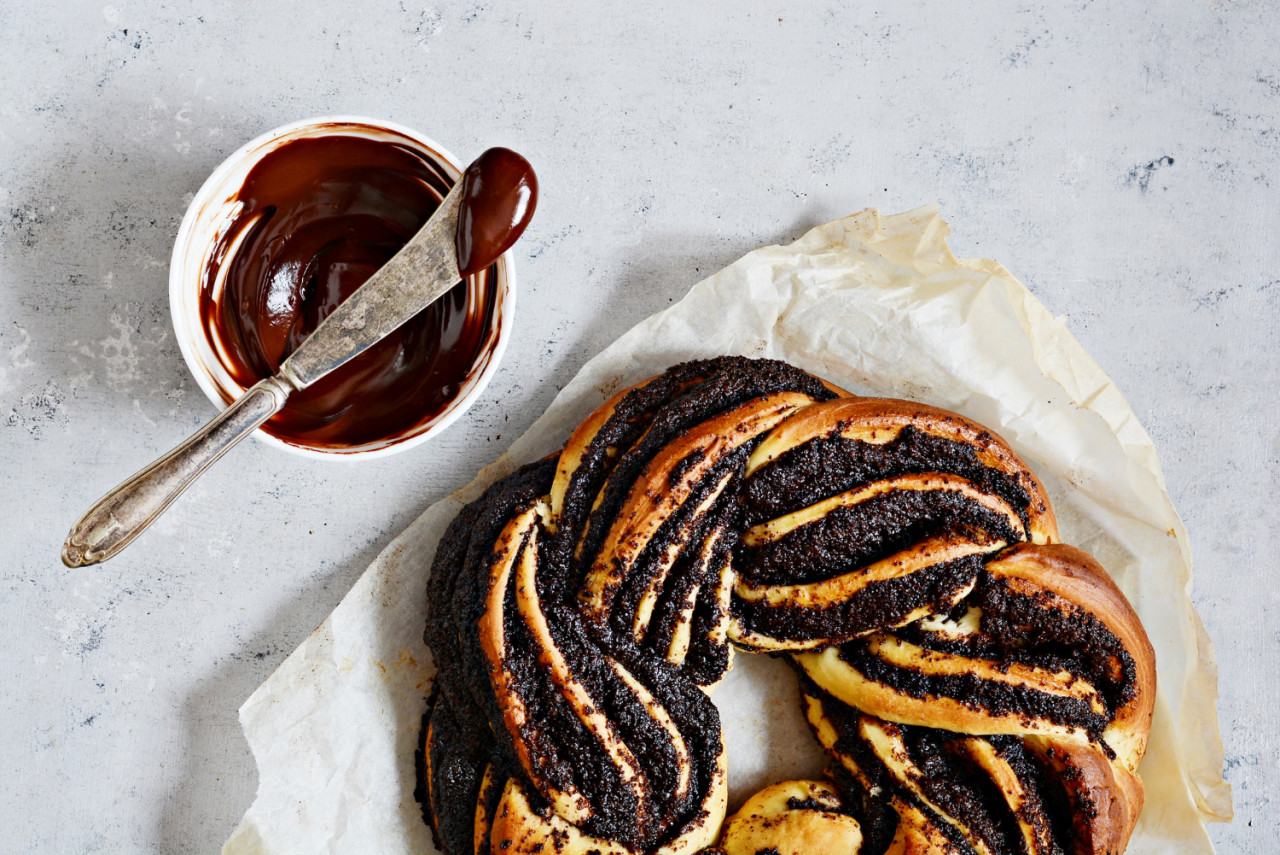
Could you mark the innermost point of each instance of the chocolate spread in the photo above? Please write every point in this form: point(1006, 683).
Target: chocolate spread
point(320, 216)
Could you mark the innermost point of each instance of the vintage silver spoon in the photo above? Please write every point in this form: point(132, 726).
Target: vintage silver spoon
point(479, 219)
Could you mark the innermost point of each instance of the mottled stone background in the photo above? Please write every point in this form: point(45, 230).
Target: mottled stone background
point(1122, 161)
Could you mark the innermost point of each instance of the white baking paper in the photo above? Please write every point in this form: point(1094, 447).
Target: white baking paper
point(879, 306)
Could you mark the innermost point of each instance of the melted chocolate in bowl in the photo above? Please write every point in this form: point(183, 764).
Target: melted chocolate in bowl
point(319, 216)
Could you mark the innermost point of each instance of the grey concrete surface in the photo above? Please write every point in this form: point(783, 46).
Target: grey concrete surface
point(1122, 160)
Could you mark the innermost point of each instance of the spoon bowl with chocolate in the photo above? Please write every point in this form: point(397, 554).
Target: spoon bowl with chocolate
point(344, 296)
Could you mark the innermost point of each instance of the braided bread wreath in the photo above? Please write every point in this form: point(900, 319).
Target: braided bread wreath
point(978, 687)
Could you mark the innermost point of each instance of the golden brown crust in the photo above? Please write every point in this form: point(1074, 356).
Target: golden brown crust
point(1107, 797)
point(959, 665)
point(879, 420)
point(1078, 578)
point(668, 481)
point(576, 446)
point(792, 818)
point(520, 830)
point(484, 812)
point(1094, 763)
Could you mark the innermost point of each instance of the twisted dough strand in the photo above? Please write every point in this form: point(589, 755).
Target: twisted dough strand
point(979, 687)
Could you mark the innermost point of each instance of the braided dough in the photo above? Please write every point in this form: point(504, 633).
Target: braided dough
point(978, 686)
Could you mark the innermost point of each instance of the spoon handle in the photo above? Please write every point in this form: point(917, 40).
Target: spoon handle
point(121, 515)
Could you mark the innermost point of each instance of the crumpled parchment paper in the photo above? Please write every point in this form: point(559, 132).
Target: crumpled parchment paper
point(878, 305)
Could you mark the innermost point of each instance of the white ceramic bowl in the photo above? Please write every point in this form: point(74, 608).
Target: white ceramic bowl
point(212, 212)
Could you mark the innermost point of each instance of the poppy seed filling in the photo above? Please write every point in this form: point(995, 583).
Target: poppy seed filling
point(978, 686)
